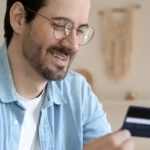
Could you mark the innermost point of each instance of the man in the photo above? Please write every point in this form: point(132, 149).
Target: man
point(42, 107)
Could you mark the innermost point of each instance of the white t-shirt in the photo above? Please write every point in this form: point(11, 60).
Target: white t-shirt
point(29, 133)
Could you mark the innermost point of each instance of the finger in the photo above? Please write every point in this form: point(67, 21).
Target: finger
point(109, 142)
point(117, 138)
point(127, 145)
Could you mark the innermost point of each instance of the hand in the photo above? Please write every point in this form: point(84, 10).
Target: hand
point(120, 140)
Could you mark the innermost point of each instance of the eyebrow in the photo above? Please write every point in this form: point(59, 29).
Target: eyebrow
point(82, 25)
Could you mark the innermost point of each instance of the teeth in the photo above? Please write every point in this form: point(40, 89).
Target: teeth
point(57, 56)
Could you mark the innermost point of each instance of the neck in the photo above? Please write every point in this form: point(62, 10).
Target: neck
point(26, 80)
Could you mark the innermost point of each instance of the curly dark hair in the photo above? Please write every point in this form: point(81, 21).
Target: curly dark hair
point(32, 4)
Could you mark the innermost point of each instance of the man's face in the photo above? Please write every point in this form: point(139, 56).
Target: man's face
point(50, 57)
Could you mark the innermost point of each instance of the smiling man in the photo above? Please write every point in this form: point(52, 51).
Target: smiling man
point(42, 105)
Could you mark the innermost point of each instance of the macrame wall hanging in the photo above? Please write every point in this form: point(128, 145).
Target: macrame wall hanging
point(117, 41)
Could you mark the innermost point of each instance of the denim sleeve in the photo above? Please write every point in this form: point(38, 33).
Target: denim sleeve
point(95, 123)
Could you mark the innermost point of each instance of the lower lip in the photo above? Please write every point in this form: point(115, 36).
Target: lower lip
point(58, 61)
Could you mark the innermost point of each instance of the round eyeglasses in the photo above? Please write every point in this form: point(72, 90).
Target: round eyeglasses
point(64, 27)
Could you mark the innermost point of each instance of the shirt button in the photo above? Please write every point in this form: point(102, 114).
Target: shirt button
point(15, 122)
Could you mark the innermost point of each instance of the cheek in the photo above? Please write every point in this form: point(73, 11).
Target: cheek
point(44, 33)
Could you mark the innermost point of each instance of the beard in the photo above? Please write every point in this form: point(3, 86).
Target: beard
point(35, 55)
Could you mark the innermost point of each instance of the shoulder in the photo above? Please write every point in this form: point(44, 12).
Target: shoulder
point(71, 76)
point(74, 88)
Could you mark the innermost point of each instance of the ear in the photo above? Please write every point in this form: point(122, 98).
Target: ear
point(17, 17)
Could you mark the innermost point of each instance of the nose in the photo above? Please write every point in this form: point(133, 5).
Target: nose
point(71, 41)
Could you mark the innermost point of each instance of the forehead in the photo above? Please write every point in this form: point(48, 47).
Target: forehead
point(75, 10)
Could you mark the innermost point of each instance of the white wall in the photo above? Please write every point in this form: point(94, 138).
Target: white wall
point(2, 12)
point(91, 56)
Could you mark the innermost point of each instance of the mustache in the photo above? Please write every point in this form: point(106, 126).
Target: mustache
point(61, 50)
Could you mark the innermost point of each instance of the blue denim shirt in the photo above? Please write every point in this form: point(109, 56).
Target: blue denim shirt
point(71, 114)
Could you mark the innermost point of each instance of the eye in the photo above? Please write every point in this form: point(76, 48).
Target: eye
point(58, 26)
point(79, 32)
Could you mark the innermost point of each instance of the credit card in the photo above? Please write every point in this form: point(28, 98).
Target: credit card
point(137, 121)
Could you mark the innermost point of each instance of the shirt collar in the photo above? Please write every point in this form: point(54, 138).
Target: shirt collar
point(53, 95)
